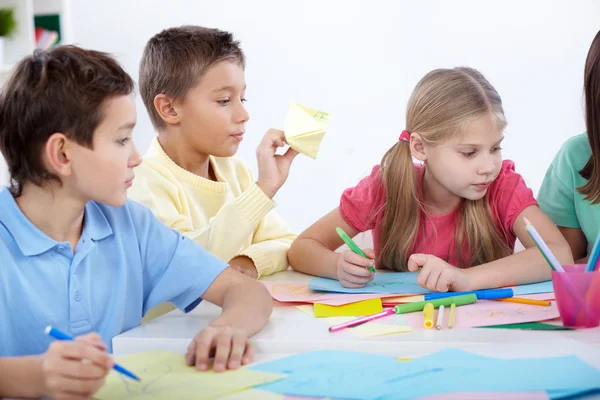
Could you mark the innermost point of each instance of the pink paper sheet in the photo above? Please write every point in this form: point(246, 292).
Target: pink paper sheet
point(486, 312)
point(293, 292)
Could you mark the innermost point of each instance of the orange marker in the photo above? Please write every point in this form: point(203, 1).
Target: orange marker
point(527, 301)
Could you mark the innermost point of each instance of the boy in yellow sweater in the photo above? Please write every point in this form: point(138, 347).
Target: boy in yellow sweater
point(192, 83)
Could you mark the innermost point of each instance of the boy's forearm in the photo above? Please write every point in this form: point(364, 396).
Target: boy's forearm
point(21, 377)
point(311, 257)
point(527, 266)
point(246, 306)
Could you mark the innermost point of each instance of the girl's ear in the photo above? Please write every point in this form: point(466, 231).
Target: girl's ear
point(417, 147)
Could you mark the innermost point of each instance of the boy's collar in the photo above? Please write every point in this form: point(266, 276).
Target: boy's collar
point(31, 240)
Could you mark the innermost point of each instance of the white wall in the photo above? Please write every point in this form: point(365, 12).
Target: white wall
point(359, 60)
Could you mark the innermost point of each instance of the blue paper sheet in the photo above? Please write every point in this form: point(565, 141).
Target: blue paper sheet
point(406, 283)
point(349, 375)
point(534, 288)
point(391, 282)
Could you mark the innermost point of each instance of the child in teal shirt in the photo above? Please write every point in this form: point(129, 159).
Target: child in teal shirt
point(570, 193)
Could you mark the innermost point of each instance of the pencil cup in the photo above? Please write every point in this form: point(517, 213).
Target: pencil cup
point(577, 296)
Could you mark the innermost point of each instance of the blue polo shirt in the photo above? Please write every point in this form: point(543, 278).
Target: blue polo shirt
point(125, 263)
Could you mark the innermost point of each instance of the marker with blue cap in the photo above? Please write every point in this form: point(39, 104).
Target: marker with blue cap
point(486, 294)
point(59, 335)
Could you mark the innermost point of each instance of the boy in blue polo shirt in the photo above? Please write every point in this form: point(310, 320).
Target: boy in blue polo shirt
point(75, 253)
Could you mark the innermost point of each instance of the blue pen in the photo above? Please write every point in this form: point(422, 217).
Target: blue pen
point(593, 257)
point(56, 334)
point(487, 294)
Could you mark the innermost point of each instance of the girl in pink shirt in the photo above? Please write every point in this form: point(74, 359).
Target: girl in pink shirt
point(455, 215)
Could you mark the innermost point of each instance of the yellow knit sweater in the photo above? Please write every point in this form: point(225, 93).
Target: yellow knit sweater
point(230, 217)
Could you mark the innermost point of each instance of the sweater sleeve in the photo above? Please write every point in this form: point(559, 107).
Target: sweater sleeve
point(224, 234)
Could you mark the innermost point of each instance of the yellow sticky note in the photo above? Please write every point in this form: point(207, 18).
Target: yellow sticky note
point(164, 375)
point(304, 128)
point(358, 309)
point(307, 309)
point(372, 329)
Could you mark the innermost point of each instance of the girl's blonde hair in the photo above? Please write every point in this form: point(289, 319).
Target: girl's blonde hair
point(442, 104)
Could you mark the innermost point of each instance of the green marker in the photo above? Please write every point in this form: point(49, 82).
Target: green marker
point(446, 301)
point(353, 246)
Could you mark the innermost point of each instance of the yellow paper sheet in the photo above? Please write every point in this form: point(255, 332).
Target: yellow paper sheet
point(304, 128)
point(404, 299)
point(358, 309)
point(370, 329)
point(164, 375)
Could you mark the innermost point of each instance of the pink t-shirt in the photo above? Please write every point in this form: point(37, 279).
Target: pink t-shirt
point(508, 196)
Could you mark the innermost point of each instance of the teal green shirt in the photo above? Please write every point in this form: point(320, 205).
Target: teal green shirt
point(558, 196)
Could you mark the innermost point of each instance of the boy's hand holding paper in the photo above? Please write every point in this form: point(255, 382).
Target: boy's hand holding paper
point(304, 129)
point(273, 169)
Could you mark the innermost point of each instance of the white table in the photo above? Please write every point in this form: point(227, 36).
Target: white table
point(291, 331)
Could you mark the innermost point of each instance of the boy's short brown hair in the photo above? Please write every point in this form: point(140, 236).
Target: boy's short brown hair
point(176, 58)
point(59, 90)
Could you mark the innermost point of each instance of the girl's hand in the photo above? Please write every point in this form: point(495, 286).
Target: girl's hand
point(352, 269)
point(436, 274)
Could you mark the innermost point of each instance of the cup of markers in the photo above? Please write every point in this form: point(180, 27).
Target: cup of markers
point(577, 294)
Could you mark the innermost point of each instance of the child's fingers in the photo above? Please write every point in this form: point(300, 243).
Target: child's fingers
point(190, 354)
point(71, 396)
point(432, 278)
point(75, 369)
point(443, 283)
point(84, 351)
point(369, 253)
point(248, 353)
point(423, 276)
point(352, 285)
point(290, 154)
point(94, 339)
point(358, 271)
point(273, 138)
point(204, 344)
point(416, 261)
point(68, 388)
point(355, 259)
point(238, 347)
point(223, 350)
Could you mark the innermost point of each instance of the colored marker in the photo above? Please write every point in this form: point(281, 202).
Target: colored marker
point(543, 247)
point(428, 316)
point(361, 320)
point(487, 294)
point(353, 246)
point(527, 301)
point(447, 301)
point(56, 334)
point(407, 308)
point(440, 318)
point(554, 264)
point(451, 316)
point(594, 256)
